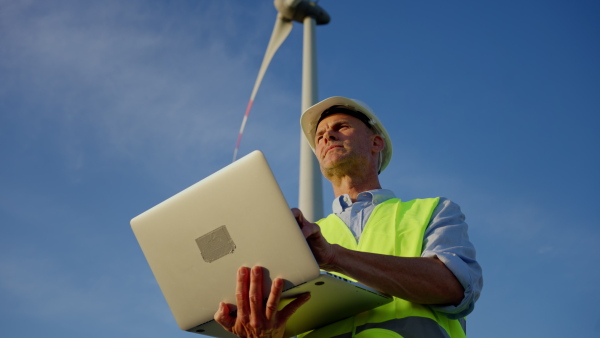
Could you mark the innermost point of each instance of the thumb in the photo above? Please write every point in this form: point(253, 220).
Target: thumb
point(299, 217)
point(223, 317)
point(308, 228)
point(292, 307)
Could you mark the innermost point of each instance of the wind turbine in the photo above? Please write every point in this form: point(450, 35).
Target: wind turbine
point(310, 195)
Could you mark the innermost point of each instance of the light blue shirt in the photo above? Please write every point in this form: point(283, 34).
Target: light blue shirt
point(445, 238)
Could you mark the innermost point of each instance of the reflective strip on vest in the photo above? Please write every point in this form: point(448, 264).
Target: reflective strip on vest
point(394, 228)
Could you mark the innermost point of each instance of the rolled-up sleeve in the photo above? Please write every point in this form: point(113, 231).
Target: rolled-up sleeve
point(447, 239)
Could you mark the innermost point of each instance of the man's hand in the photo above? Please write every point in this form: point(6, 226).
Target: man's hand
point(254, 318)
point(322, 250)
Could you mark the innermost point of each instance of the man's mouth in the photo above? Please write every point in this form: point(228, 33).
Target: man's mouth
point(331, 148)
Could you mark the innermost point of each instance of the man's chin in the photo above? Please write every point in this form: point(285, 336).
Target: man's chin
point(332, 160)
point(335, 163)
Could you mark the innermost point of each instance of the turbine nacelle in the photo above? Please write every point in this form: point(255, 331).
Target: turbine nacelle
point(297, 10)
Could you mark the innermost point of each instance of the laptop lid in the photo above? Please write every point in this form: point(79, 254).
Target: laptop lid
point(196, 240)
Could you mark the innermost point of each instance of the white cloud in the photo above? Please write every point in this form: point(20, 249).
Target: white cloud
point(129, 80)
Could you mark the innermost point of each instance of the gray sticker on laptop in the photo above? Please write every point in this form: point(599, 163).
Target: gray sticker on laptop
point(215, 244)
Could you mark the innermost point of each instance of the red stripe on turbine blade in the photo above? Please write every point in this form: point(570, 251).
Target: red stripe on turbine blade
point(239, 139)
point(249, 107)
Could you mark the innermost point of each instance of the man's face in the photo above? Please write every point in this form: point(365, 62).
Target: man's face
point(343, 142)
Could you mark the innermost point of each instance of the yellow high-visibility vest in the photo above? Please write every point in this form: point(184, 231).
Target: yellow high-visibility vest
point(394, 228)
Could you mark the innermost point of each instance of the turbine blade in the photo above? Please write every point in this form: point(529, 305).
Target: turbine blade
point(282, 29)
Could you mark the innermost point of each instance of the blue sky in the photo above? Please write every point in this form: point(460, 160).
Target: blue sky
point(109, 107)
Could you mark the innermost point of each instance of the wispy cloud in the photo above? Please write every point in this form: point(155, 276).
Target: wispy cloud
point(120, 81)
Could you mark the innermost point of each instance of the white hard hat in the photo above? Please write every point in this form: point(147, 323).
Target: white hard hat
point(312, 116)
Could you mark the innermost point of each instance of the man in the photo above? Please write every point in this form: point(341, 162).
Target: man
point(417, 251)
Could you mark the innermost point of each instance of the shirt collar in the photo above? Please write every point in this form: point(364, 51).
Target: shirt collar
point(376, 196)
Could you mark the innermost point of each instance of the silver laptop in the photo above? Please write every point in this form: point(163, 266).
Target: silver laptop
point(196, 240)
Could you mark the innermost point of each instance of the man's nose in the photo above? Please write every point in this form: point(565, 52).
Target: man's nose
point(328, 136)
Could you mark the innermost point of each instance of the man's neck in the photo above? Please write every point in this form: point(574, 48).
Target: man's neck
point(354, 186)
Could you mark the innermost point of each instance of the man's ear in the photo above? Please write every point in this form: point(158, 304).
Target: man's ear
point(377, 143)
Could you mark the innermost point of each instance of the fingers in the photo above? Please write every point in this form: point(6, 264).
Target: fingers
point(253, 316)
point(307, 227)
point(274, 298)
point(249, 297)
point(298, 216)
point(241, 293)
point(256, 297)
point(321, 249)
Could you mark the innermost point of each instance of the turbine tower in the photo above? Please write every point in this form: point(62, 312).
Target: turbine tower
point(310, 195)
